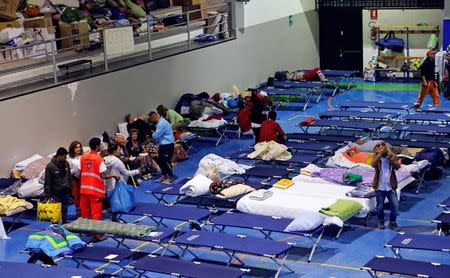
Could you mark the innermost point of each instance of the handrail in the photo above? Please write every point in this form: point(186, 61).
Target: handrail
point(50, 58)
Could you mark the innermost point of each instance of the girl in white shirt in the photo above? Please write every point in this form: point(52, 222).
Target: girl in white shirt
point(75, 152)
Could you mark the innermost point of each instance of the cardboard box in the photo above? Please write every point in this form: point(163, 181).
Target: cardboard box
point(8, 9)
point(9, 24)
point(74, 28)
point(194, 15)
point(40, 22)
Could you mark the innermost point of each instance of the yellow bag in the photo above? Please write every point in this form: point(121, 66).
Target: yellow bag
point(283, 183)
point(49, 211)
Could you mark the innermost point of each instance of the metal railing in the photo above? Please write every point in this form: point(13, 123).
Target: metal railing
point(29, 71)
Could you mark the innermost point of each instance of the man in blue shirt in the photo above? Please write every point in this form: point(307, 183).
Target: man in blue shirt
point(163, 135)
point(385, 183)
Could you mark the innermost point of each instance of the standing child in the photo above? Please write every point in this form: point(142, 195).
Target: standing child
point(385, 184)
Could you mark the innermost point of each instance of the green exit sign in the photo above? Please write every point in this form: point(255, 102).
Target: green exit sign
point(291, 20)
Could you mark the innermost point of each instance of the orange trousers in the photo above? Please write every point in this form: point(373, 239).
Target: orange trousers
point(432, 89)
point(91, 207)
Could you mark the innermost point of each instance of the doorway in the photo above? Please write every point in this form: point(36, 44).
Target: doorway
point(341, 45)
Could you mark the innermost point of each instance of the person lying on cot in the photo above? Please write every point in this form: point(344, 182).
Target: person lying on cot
point(306, 75)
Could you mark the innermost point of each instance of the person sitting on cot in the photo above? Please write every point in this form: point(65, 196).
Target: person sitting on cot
point(305, 75)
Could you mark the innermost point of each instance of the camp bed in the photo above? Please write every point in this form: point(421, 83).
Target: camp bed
point(421, 118)
point(406, 267)
point(266, 225)
point(320, 137)
point(163, 192)
point(322, 147)
point(445, 204)
point(159, 212)
point(376, 105)
point(436, 130)
point(266, 172)
point(341, 125)
point(20, 270)
point(292, 95)
point(102, 254)
point(443, 218)
point(219, 132)
point(418, 242)
point(415, 143)
point(436, 110)
point(232, 244)
point(339, 73)
point(181, 268)
point(297, 158)
point(339, 114)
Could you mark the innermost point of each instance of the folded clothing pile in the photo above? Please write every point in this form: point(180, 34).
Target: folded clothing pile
point(260, 195)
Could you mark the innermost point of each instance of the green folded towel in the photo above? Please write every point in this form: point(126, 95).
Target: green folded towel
point(344, 209)
point(350, 178)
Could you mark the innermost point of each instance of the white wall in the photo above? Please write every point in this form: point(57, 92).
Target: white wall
point(418, 43)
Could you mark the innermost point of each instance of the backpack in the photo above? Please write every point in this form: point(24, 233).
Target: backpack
point(433, 155)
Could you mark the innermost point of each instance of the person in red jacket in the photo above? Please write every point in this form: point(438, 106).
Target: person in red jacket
point(271, 130)
point(92, 187)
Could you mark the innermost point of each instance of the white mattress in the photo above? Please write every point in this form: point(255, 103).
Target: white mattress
point(24, 163)
point(283, 204)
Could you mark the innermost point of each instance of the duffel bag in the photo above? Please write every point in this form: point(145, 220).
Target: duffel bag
point(390, 41)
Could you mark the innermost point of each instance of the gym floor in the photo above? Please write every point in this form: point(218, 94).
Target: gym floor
point(344, 256)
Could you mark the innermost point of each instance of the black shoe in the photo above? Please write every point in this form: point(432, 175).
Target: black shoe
point(381, 226)
point(394, 227)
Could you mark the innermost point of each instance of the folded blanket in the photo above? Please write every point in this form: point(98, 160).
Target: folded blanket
point(197, 186)
point(105, 227)
point(344, 209)
point(9, 205)
point(308, 170)
point(260, 195)
point(235, 190)
point(270, 151)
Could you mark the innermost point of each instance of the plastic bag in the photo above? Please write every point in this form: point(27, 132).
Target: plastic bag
point(49, 211)
point(121, 199)
point(433, 41)
point(31, 188)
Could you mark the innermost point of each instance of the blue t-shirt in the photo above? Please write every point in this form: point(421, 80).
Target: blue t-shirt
point(164, 133)
point(385, 175)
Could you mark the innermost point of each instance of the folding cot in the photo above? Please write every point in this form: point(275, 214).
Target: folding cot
point(421, 118)
point(266, 225)
point(320, 137)
point(418, 242)
point(232, 244)
point(219, 131)
point(162, 192)
point(322, 147)
point(297, 158)
point(436, 110)
point(292, 95)
point(20, 270)
point(341, 125)
point(182, 268)
point(266, 172)
point(445, 204)
point(442, 219)
point(296, 84)
point(102, 254)
point(376, 105)
point(415, 143)
point(437, 130)
point(162, 212)
point(382, 116)
point(339, 73)
point(406, 267)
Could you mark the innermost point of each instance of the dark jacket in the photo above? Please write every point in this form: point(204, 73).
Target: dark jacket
point(395, 165)
point(257, 115)
point(427, 69)
point(57, 178)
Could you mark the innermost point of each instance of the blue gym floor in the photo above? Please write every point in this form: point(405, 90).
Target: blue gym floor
point(344, 256)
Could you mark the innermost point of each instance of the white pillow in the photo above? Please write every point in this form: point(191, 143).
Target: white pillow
point(307, 221)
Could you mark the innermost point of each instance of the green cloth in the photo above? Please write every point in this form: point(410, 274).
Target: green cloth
point(105, 227)
point(173, 117)
point(344, 209)
point(350, 178)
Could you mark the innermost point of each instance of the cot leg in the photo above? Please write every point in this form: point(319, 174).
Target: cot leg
point(3, 234)
point(281, 265)
point(313, 249)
